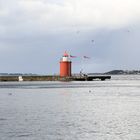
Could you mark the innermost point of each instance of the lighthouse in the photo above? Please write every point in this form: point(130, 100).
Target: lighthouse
point(65, 66)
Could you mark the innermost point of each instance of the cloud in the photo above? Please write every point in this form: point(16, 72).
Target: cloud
point(95, 14)
point(35, 32)
point(62, 15)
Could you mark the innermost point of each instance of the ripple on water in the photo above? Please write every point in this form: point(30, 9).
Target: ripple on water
point(19, 134)
point(3, 119)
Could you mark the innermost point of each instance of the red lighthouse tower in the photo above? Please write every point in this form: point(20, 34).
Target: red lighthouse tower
point(65, 65)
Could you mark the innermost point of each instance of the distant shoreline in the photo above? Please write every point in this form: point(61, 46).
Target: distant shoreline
point(113, 72)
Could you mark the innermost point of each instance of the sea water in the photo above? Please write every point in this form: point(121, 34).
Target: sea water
point(95, 110)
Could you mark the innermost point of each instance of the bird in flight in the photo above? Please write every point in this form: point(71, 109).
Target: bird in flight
point(86, 57)
point(92, 40)
point(73, 56)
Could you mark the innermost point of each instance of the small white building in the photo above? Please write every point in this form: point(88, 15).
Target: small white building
point(20, 78)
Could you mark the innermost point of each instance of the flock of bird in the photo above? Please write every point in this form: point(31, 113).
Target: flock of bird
point(93, 42)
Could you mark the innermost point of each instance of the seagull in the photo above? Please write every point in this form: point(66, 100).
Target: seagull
point(72, 56)
point(78, 32)
point(86, 57)
point(9, 93)
point(92, 40)
point(128, 31)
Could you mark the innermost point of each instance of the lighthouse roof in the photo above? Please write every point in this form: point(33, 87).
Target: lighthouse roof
point(66, 54)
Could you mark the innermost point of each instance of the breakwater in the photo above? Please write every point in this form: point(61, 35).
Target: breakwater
point(30, 78)
point(54, 78)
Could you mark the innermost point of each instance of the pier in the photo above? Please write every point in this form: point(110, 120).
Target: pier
point(54, 78)
point(100, 77)
point(91, 77)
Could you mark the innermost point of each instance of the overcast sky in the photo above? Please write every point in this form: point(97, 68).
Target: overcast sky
point(35, 33)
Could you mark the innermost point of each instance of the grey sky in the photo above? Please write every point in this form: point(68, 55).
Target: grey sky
point(35, 33)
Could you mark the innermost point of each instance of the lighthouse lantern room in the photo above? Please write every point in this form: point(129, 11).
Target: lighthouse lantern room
point(65, 65)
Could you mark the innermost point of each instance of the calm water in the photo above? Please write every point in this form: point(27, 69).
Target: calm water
point(97, 110)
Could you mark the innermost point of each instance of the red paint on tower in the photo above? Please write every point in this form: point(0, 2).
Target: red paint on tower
point(65, 66)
